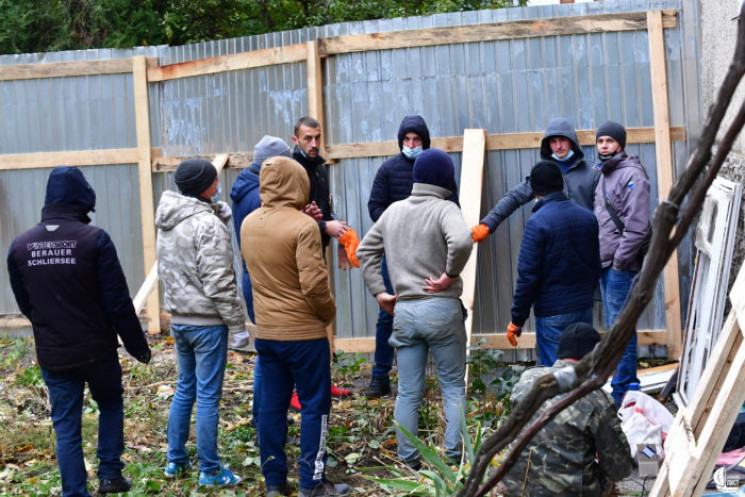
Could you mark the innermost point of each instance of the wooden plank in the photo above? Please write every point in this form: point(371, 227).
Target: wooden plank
point(65, 69)
point(510, 30)
point(69, 158)
point(170, 164)
point(223, 63)
point(506, 141)
point(14, 322)
point(663, 153)
point(147, 203)
point(471, 184)
point(146, 289)
point(493, 341)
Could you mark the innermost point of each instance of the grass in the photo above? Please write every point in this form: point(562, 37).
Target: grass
point(361, 433)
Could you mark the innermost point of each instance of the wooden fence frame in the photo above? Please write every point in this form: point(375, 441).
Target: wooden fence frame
point(147, 70)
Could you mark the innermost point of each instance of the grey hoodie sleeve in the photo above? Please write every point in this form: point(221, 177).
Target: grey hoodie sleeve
point(513, 200)
point(370, 254)
point(215, 270)
point(458, 239)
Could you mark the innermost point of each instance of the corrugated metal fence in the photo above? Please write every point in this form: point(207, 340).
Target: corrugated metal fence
point(505, 86)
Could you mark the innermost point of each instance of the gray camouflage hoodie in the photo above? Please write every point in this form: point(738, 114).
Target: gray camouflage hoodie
point(195, 264)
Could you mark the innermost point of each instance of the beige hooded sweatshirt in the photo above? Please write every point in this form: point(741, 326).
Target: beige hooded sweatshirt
point(282, 250)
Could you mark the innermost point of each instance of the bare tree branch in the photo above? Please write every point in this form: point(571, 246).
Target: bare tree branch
point(599, 365)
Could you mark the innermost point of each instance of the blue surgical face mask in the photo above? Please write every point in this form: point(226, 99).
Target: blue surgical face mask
point(566, 157)
point(216, 196)
point(411, 153)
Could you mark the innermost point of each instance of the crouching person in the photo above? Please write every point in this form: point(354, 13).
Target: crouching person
point(293, 306)
point(426, 244)
point(583, 450)
point(67, 280)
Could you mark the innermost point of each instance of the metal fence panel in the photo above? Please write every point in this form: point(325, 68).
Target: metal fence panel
point(503, 86)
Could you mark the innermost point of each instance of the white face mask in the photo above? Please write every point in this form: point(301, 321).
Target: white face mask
point(411, 153)
point(216, 196)
point(568, 156)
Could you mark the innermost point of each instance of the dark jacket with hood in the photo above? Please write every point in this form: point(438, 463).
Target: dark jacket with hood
point(320, 192)
point(580, 177)
point(626, 182)
point(67, 280)
point(559, 263)
point(246, 199)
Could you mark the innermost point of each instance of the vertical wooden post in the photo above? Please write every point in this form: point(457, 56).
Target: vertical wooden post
point(471, 184)
point(663, 152)
point(315, 87)
point(142, 123)
point(315, 109)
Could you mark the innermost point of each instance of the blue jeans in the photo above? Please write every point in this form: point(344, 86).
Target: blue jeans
point(202, 354)
point(258, 385)
point(549, 330)
point(422, 325)
point(615, 287)
point(383, 330)
point(104, 379)
point(304, 364)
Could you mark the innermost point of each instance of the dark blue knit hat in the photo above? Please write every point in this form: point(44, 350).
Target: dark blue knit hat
point(545, 178)
point(435, 167)
point(614, 130)
point(194, 176)
point(577, 340)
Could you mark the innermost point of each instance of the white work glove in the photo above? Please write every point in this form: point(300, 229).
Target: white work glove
point(239, 341)
point(222, 209)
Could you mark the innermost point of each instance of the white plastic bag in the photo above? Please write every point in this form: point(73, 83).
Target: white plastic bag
point(644, 420)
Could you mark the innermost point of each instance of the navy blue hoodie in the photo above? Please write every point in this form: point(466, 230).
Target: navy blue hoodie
point(67, 280)
point(246, 199)
point(395, 178)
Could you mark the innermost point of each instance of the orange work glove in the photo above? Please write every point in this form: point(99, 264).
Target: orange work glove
point(513, 332)
point(350, 241)
point(479, 233)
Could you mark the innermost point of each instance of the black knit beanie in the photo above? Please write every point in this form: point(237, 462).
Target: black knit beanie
point(194, 176)
point(545, 178)
point(577, 340)
point(614, 130)
point(435, 167)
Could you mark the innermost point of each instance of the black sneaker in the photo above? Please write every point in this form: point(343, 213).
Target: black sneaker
point(325, 488)
point(379, 387)
point(114, 485)
point(277, 490)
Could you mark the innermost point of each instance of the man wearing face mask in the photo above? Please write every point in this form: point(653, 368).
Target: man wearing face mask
point(200, 291)
point(392, 183)
point(560, 146)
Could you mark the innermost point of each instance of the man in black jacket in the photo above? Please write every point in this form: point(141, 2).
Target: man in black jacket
point(67, 280)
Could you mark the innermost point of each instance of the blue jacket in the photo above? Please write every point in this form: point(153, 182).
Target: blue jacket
point(66, 278)
point(395, 178)
point(559, 263)
point(580, 178)
point(246, 199)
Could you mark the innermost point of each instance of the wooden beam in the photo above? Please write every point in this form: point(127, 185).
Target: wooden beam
point(147, 203)
point(170, 164)
point(146, 289)
point(70, 158)
point(506, 141)
point(493, 341)
point(65, 69)
point(509, 30)
point(14, 322)
point(245, 60)
point(471, 185)
point(663, 152)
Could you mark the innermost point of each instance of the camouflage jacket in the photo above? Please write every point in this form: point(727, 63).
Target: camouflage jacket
point(577, 454)
point(195, 264)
